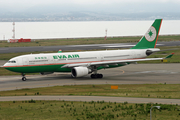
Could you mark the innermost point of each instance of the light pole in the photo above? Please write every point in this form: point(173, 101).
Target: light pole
point(158, 107)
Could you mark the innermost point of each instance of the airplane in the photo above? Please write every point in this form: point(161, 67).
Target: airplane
point(81, 64)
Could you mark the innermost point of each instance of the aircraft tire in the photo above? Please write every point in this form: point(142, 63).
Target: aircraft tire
point(100, 75)
point(23, 78)
point(94, 76)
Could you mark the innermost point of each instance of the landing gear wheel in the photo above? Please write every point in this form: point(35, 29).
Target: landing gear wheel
point(96, 76)
point(99, 75)
point(24, 79)
point(93, 76)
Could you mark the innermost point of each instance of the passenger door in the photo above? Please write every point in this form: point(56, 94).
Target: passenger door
point(25, 61)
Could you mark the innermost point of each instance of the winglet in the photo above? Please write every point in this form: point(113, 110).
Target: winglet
point(169, 56)
point(60, 51)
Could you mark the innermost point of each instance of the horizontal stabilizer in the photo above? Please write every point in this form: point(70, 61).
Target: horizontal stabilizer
point(169, 56)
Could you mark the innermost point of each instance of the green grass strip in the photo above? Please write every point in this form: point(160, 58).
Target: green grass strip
point(100, 110)
point(167, 91)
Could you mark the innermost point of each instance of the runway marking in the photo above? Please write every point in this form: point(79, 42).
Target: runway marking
point(159, 71)
point(122, 71)
point(159, 44)
point(119, 46)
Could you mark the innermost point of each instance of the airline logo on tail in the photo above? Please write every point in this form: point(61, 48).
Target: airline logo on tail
point(151, 34)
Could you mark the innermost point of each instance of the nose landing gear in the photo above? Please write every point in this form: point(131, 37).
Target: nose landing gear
point(23, 77)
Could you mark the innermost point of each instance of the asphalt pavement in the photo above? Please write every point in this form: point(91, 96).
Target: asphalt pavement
point(92, 98)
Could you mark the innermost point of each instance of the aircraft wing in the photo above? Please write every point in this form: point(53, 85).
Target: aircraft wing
point(108, 62)
point(113, 62)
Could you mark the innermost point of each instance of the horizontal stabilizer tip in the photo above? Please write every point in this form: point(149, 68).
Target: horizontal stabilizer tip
point(169, 56)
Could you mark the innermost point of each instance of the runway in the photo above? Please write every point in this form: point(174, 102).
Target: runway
point(130, 74)
point(79, 47)
point(92, 98)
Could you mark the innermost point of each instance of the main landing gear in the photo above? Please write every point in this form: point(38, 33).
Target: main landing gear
point(96, 76)
point(23, 77)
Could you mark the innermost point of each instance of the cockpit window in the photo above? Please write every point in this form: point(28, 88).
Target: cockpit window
point(11, 61)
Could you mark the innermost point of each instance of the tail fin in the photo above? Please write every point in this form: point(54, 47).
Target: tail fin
point(149, 40)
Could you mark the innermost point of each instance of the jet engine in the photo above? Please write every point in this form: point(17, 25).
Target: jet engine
point(80, 71)
point(149, 52)
point(46, 73)
point(152, 50)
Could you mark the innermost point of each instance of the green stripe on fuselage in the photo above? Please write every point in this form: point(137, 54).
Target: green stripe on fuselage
point(49, 68)
point(36, 69)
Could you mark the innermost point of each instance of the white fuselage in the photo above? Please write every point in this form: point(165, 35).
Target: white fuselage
point(75, 57)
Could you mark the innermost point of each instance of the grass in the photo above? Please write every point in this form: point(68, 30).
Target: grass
point(79, 41)
point(100, 110)
point(167, 91)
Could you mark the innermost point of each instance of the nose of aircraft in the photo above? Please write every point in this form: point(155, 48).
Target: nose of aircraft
point(11, 62)
point(6, 64)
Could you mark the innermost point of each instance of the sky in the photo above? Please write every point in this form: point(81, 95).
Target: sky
point(95, 5)
point(35, 2)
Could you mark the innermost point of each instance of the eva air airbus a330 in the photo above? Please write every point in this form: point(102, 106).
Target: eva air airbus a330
point(83, 63)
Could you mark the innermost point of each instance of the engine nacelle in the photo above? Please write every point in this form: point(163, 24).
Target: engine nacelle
point(149, 52)
point(152, 50)
point(46, 73)
point(80, 71)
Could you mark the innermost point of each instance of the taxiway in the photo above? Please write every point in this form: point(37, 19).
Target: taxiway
point(92, 98)
point(130, 74)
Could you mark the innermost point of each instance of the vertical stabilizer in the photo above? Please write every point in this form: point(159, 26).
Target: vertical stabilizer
point(150, 38)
